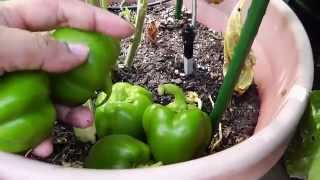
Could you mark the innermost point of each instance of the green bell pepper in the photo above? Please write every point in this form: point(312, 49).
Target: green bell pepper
point(117, 152)
point(122, 113)
point(176, 132)
point(26, 112)
point(78, 85)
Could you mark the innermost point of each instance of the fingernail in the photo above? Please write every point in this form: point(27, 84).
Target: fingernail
point(79, 50)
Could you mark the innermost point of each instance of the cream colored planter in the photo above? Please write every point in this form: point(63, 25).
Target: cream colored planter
point(284, 74)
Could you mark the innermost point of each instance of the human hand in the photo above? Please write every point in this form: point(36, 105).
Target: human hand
point(23, 49)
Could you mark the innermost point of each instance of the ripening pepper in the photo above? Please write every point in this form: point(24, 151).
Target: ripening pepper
point(26, 112)
point(117, 152)
point(122, 113)
point(78, 85)
point(176, 132)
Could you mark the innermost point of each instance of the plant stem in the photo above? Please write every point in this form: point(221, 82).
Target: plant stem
point(178, 9)
point(93, 2)
point(141, 13)
point(104, 4)
point(179, 97)
point(248, 33)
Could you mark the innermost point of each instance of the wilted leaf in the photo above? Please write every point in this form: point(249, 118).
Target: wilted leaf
point(232, 36)
point(152, 32)
point(192, 97)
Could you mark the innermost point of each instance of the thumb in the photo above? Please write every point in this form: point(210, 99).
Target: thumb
point(23, 50)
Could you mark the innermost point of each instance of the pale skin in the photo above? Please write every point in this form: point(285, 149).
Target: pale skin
point(23, 49)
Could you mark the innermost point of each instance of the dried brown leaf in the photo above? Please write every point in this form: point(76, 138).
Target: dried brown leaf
point(152, 31)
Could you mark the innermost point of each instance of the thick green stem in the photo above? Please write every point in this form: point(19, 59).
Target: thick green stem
point(178, 9)
point(141, 13)
point(104, 4)
point(241, 51)
point(172, 89)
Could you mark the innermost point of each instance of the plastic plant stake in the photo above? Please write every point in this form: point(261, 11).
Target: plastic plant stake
point(188, 36)
point(249, 31)
point(194, 13)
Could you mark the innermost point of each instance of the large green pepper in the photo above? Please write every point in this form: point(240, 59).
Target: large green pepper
point(176, 132)
point(117, 152)
point(78, 85)
point(122, 113)
point(26, 113)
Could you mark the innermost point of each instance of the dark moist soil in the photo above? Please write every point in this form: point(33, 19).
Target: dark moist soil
point(162, 63)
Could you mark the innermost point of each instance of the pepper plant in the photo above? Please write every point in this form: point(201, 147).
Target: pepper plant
point(139, 22)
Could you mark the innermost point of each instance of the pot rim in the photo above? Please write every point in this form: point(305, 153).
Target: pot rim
point(281, 127)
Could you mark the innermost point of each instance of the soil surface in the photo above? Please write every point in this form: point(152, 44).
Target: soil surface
point(162, 62)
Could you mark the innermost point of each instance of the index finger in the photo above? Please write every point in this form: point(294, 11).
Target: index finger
point(44, 15)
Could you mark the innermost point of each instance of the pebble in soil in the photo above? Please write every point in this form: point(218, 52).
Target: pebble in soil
point(162, 62)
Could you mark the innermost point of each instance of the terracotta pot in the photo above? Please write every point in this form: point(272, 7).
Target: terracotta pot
point(284, 74)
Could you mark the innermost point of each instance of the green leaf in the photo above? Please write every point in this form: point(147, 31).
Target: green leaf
point(303, 154)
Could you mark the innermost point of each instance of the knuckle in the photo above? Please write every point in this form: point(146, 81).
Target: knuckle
point(42, 42)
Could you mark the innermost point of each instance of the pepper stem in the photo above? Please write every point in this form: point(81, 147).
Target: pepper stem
point(172, 89)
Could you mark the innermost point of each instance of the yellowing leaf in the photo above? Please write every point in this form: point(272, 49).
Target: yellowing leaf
point(231, 38)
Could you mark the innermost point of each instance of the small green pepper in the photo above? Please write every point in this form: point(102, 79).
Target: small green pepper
point(26, 112)
point(117, 152)
point(176, 132)
point(78, 85)
point(122, 113)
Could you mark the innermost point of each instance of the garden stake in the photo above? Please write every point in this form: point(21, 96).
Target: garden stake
point(249, 31)
point(188, 36)
point(194, 13)
point(141, 13)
